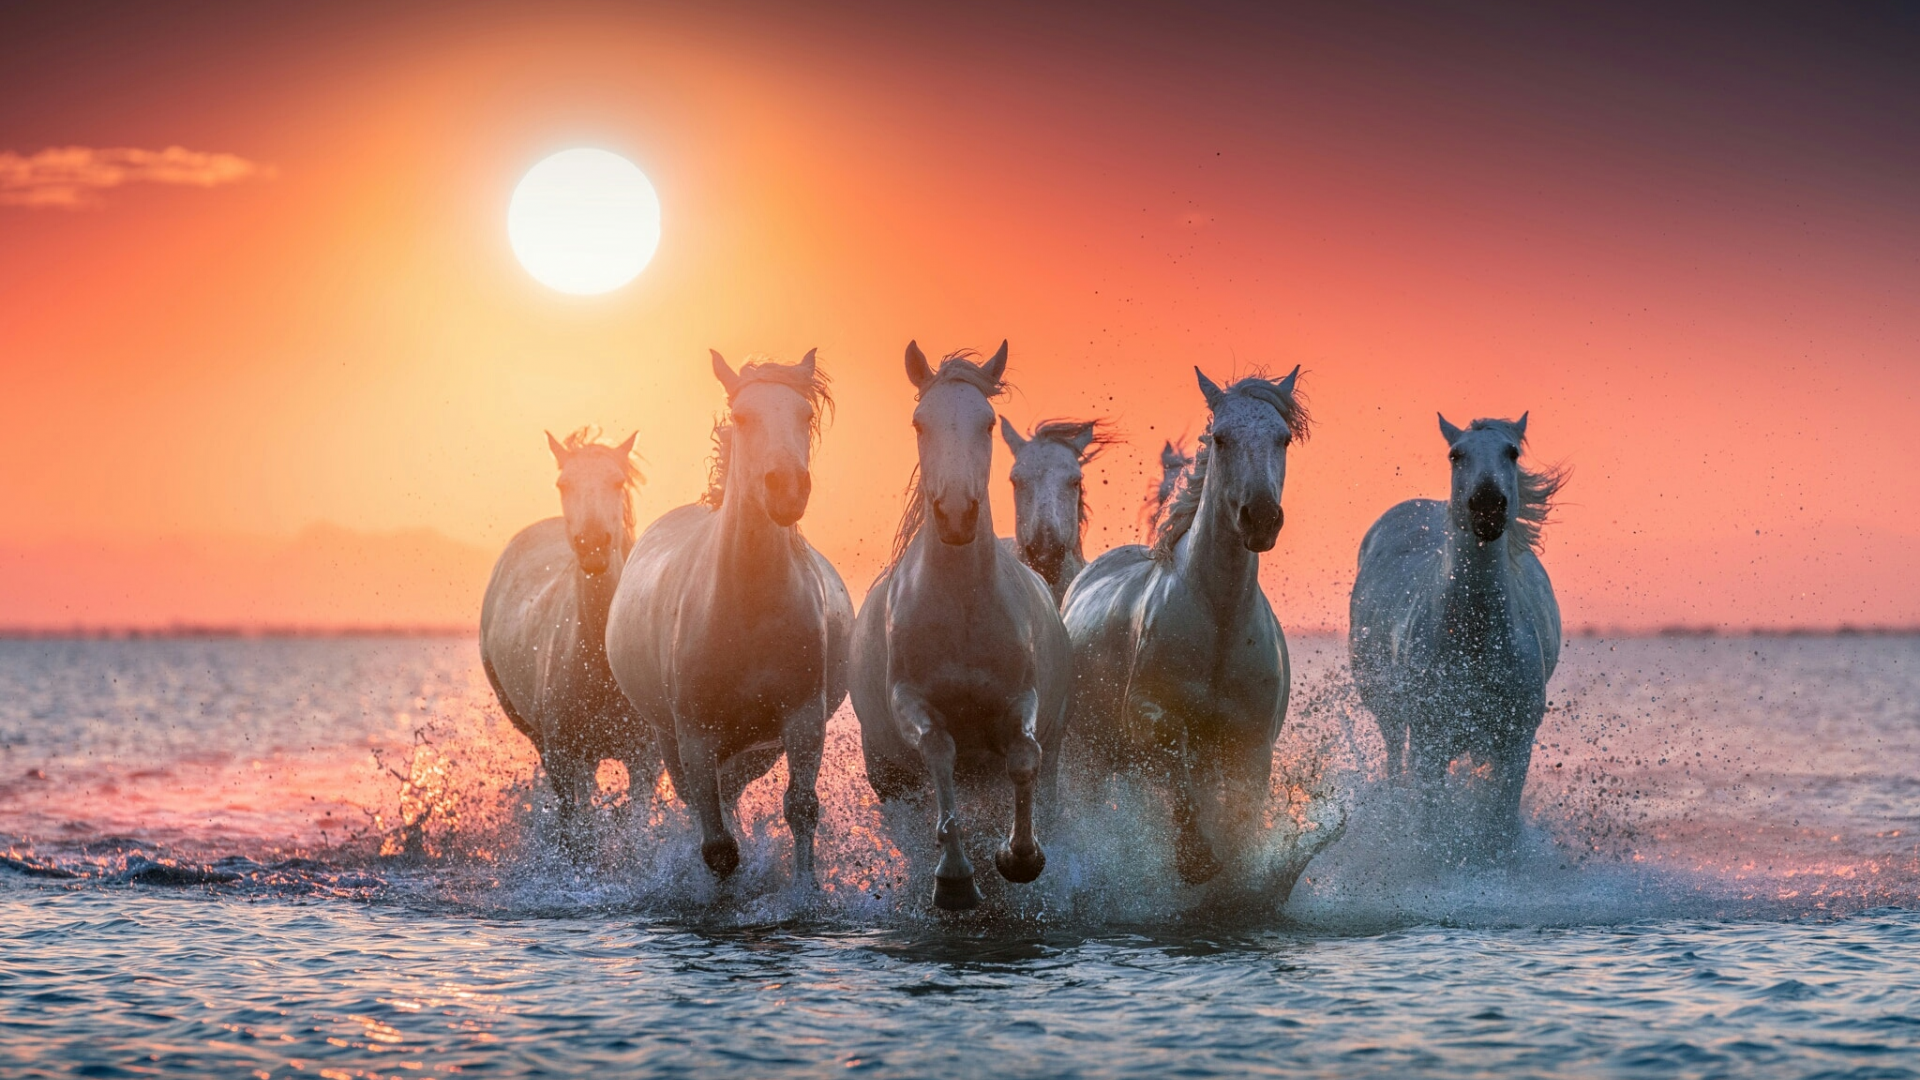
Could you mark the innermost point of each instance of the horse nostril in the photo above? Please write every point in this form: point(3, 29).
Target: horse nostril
point(1488, 509)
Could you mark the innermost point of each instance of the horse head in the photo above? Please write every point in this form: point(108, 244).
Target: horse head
point(954, 426)
point(1047, 474)
point(774, 417)
point(1254, 422)
point(1485, 458)
point(595, 496)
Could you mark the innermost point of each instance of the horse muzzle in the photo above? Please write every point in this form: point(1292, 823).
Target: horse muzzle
point(1487, 514)
point(593, 552)
point(1046, 554)
point(956, 524)
point(1260, 522)
point(787, 493)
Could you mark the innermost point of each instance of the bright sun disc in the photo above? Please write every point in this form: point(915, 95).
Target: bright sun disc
point(584, 221)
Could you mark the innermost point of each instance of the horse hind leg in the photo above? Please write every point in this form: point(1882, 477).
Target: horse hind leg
point(804, 736)
point(1020, 859)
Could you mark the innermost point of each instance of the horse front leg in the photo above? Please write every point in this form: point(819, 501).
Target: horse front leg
point(1247, 774)
point(1192, 855)
point(700, 767)
point(953, 885)
point(1020, 859)
point(803, 734)
point(573, 787)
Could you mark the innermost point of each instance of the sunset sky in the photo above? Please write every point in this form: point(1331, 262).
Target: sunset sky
point(266, 356)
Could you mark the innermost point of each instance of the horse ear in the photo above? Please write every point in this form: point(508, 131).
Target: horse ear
point(1082, 439)
point(1447, 429)
point(996, 366)
point(806, 362)
point(1169, 457)
point(1012, 436)
point(626, 448)
point(1209, 389)
point(1286, 384)
point(728, 378)
point(918, 373)
point(560, 453)
point(1520, 425)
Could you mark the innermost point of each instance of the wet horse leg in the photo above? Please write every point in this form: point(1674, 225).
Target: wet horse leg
point(1193, 856)
point(1021, 859)
point(803, 734)
point(572, 780)
point(1509, 782)
point(1247, 774)
point(701, 770)
point(953, 887)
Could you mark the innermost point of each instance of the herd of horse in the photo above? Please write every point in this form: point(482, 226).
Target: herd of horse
point(719, 639)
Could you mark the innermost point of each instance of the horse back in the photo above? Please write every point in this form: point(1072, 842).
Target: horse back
point(640, 623)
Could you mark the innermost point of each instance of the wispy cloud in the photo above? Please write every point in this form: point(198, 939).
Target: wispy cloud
point(75, 176)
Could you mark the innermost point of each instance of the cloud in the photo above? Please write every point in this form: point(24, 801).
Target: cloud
point(74, 176)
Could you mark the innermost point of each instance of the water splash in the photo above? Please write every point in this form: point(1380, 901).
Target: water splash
point(1643, 802)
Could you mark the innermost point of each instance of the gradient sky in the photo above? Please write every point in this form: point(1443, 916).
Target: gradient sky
point(1690, 245)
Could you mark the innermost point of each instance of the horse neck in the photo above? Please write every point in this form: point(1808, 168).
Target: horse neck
point(1474, 602)
point(972, 562)
point(1212, 559)
point(753, 551)
point(595, 592)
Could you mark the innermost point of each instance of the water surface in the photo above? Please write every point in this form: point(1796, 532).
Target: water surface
point(329, 857)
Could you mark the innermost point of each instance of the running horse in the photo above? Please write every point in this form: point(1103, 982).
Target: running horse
point(961, 668)
point(729, 633)
point(1049, 496)
point(1455, 630)
point(543, 629)
point(1180, 667)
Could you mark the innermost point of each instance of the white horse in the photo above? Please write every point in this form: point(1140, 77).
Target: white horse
point(961, 667)
point(1455, 629)
point(1180, 668)
point(543, 628)
point(729, 633)
point(1049, 496)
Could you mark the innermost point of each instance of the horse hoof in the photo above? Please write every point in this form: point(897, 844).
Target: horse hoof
point(722, 856)
point(1195, 863)
point(1019, 869)
point(955, 894)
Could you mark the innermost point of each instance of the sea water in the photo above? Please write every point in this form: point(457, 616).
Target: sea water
point(333, 857)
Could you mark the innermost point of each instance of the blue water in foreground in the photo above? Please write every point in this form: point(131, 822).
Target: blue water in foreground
point(330, 857)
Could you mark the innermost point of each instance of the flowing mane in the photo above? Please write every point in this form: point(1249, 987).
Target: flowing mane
point(1186, 503)
point(957, 367)
point(812, 385)
point(1538, 487)
point(586, 440)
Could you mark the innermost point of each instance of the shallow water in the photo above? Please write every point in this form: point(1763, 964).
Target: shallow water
point(287, 857)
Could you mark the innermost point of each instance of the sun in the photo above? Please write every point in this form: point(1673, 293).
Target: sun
point(584, 221)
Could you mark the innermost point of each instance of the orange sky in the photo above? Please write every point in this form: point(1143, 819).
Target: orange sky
point(1689, 250)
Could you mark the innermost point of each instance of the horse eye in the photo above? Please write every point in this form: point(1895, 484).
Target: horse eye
point(1219, 441)
point(1455, 456)
point(1513, 453)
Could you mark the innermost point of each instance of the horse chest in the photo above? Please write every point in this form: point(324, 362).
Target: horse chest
point(764, 661)
point(1195, 668)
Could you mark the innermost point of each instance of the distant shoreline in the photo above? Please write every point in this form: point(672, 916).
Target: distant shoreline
point(194, 630)
point(188, 631)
